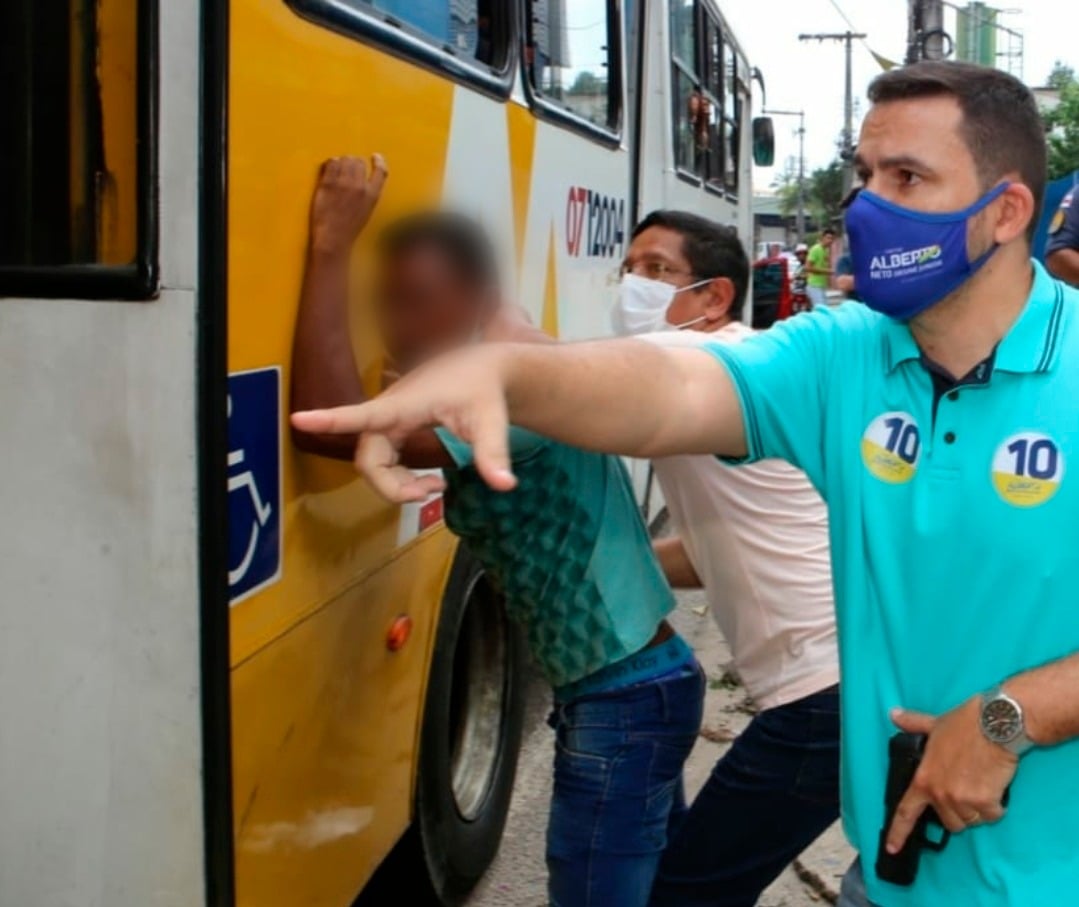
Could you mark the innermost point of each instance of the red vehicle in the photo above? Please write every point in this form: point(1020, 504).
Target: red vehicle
point(773, 296)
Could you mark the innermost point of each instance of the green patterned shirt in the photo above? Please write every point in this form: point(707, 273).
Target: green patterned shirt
point(568, 549)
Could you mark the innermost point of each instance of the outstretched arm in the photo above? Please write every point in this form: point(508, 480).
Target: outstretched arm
point(621, 396)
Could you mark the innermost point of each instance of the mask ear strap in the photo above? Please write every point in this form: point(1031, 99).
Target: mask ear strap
point(693, 286)
point(986, 200)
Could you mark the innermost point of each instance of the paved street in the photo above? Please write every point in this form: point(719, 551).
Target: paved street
point(518, 878)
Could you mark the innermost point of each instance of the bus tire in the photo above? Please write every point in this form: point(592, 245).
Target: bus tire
point(471, 735)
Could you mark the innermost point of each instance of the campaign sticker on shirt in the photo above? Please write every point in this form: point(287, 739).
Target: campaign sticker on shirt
point(1028, 469)
point(891, 447)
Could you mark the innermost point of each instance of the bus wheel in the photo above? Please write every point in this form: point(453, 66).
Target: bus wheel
point(472, 724)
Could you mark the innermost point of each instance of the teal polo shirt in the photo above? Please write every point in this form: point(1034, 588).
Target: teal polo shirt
point(955, 556)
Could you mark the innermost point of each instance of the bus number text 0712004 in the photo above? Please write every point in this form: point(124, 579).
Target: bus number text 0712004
point(605, 219)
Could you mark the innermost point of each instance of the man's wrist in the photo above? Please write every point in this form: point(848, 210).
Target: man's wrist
point(1004, 721)
point(328, 249)
point(1023, 691)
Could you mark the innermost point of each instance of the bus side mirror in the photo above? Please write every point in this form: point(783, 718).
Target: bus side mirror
point(764, 142)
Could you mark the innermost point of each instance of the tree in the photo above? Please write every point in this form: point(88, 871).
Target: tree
point(823, 192)
point(1061, 76)
point(1062, 123)
point(587, 83)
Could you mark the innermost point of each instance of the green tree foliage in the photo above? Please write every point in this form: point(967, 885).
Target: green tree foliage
point(823, 192)
point(1061, 76)
point(1062, 123)
point(587, 83)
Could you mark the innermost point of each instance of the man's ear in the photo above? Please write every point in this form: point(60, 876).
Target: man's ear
point(720, 298)
point(1016, 210)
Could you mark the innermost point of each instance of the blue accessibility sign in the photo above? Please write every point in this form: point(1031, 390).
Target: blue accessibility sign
point(254, 477)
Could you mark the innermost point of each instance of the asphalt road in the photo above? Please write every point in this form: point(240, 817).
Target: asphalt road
point(518, 877)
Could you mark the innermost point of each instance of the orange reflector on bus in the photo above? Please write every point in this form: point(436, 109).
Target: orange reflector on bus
point(400, 631)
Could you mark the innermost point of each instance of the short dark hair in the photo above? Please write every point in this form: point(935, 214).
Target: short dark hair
point(827, 231)
point(1001, 124)
point(711, 249)
point(459, 238)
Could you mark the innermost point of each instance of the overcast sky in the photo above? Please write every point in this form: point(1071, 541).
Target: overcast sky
point(809, 76)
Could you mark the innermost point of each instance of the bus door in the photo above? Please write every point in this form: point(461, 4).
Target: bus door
point(113, 705)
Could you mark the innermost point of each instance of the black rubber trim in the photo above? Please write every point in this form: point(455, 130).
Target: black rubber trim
point(402, 42)
point(139, 280)
point(687, 176)
point(560, 116)
point(637, 126)
point(212, 387)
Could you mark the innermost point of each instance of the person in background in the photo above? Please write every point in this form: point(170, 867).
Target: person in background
point(568, 548)
point(944, 463)
point(1062, 250)
point(819, 269)
point(756, 538)
point(799, 297)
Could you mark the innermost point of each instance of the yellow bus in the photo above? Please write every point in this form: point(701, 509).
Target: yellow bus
point(229, 674)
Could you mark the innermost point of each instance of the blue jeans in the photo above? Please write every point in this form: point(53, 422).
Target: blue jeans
point(617, 782)
point(852, 891)
point(773, 792)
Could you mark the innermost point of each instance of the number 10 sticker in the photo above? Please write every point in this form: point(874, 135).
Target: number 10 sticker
point(891, 447)
point(1027, 469)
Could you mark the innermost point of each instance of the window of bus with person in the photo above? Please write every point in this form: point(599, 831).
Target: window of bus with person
point(707, 76)
point(567, 548)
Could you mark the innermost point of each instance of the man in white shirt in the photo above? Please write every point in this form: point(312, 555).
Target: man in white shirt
point(756, 538)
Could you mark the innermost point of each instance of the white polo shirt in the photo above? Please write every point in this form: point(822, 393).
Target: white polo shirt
point(758, 538)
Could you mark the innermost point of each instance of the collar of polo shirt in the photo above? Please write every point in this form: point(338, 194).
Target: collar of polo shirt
point(1030, 346)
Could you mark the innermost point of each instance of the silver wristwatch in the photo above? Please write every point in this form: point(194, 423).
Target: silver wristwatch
point(1002, 722)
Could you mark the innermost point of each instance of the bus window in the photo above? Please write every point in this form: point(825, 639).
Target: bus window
point(690, 118)
point(732, 112)
point(469, 29)
point(70, 117)
point(572, 58)
point(707, 105)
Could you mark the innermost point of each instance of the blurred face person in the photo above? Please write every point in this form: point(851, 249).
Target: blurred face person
point(681, 272)
point(436, 288)
point(827, 238)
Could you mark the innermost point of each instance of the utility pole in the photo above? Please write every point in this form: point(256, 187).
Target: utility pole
point(847, 142)
point(926, 38)
point(800, 217)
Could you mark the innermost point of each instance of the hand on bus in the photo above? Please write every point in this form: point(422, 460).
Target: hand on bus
point(461, 391)
point(347, 192)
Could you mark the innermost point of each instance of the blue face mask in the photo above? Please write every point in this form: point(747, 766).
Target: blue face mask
point(906, 261)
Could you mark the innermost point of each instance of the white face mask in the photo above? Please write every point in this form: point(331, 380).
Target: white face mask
point(642, 306)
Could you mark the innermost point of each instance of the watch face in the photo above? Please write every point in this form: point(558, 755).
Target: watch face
point(1001, 720)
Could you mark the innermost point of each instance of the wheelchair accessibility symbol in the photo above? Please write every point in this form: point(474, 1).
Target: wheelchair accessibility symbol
point(254, 481)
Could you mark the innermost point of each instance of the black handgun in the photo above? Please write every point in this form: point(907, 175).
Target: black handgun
point(904, 756)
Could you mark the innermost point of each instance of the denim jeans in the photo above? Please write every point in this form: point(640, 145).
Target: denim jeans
point(773, 792)
point(852, 891)
point(617, 782)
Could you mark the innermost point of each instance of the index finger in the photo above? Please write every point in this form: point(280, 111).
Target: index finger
point(907, 814)
point(373, 416)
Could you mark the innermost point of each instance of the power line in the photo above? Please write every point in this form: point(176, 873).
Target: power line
point(863, 40)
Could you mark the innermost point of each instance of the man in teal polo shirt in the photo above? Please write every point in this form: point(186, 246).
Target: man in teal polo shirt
point(938, 421)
